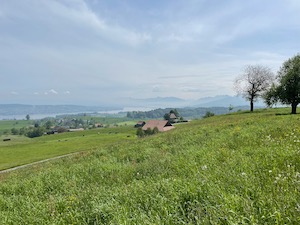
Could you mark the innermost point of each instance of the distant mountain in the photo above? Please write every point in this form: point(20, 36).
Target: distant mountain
point(224, 101)
point(165, 99)
point(154, 102)
point(20, 110)
point(165, 102)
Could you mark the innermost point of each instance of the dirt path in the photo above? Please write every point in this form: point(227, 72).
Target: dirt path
point(38, 162)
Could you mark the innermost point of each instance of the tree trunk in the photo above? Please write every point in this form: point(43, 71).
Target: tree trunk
point(251, 106)
point(294, 108)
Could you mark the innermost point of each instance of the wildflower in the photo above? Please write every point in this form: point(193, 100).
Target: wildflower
point(204, 167)
point(243, 174)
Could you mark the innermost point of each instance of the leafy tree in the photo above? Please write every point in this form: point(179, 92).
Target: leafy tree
point(287, 89)
point(22, 131)
point(141, 133)
point(208, 114)
point(48, 124)
point(253, 83)
point(35, 132)
point(167, 116)
point(175, 112)
point(27, 117)
point(14, 131)
point(129, 115)
point(155, 130)
point(148, 131)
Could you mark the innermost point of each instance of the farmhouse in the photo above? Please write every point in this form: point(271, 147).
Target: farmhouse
point(77, 129)
point(98, 125)
point(162, 125)
point(173, 118)
point(140, 124)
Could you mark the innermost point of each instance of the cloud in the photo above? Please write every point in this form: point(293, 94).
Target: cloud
point(178, 77)
point(190, 89)
point(52, 91)
point(14, 93)
point(160, 88)
point(82, 15)
point(126, 48)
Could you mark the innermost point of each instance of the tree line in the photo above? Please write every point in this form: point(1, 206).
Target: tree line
point(184, 112)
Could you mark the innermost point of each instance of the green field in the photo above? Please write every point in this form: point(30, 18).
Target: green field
point(9, 124)
point(242, 168)
point(21, 150)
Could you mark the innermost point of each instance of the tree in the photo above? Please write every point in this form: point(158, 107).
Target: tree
point(208, 114)
point(27, 117)
point(287, 89)
point(155, 130)
point(167, 116)
point(175, 112)
point(148, 131)
point(230, 108)
point(35, 132)
point(253, 83)
point(48, 124)
point(14, 131)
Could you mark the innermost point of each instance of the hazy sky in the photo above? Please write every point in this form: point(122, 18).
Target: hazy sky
point(95, 51)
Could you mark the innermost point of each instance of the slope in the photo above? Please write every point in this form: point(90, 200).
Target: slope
point(230, 169)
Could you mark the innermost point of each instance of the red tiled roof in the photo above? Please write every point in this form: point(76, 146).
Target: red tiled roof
point(162, 125)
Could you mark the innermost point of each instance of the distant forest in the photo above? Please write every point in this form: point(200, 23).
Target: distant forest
point(187, 113)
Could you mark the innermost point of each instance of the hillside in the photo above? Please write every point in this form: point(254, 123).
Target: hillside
point(242, 168)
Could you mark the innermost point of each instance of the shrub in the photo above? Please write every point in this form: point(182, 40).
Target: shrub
point(141, 133)
point(208, 114)
point(36, 132)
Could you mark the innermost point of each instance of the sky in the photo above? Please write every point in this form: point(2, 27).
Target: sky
point(94, 52)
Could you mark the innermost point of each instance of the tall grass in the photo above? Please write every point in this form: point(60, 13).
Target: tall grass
point(232, 169)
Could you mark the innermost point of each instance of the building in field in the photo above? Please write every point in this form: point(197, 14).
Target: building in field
point(139, 124)
point(162, 125)
point(173, 118)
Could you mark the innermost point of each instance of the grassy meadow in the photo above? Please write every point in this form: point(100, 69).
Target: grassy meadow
point(8, 124)
point(241, 168)
point(22, 150)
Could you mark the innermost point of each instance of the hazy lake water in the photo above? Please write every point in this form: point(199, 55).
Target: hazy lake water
point(41, 116)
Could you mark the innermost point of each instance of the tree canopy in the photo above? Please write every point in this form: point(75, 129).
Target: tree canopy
point(287, 88)
point(253, 82)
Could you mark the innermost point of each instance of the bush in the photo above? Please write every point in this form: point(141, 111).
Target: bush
point(141, 133)
point(208, 114)
point(36, 132)
point(14, 131)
